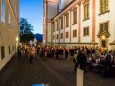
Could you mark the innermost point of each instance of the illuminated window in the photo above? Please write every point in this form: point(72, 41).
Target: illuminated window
point(103, 6)
point(86, 11)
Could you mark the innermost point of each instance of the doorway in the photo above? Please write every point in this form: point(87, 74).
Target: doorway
point(103, 43)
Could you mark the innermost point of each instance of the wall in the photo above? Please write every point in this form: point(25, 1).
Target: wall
point(52, 9)
point(9, 33)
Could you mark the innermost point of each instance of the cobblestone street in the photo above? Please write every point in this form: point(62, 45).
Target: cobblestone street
point(52, 71)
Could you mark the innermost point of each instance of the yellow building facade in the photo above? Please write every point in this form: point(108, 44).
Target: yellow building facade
point(9, 29)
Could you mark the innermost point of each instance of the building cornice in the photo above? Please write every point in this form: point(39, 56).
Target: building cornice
point(55, 1)
point(67, 8)
point(90, 43)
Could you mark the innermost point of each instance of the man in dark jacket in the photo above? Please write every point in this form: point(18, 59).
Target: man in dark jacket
point(82, 60)
point(19, 52)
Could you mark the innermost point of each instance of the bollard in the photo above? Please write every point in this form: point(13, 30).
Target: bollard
point(79, 77)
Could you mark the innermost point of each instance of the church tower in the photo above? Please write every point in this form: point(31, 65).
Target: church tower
point(50, 8)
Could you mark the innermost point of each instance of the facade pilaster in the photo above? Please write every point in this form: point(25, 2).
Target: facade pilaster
point(46, 34)
point(93, 20)
point(64, 28)
point(70, 25)
point(79, 22)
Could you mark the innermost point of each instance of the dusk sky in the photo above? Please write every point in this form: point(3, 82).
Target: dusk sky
point(32, 10)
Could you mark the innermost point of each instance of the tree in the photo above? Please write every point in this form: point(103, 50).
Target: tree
point(26, 29)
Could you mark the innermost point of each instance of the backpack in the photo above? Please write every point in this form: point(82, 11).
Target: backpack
point(108, 58)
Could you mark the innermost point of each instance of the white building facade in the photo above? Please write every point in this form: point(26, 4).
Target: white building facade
point(81, 22)
point(9, 29)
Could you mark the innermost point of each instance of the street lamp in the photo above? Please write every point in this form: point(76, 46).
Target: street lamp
point(17, 39)
point(103, 37)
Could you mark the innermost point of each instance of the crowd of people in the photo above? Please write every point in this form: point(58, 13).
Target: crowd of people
point(86, 58)
point(28, 51)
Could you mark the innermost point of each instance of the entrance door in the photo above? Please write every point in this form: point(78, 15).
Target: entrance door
point(103, 43)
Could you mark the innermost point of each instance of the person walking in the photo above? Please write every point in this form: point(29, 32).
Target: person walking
point(66, 53)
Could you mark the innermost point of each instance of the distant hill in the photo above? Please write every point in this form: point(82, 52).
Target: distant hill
point(38, 37)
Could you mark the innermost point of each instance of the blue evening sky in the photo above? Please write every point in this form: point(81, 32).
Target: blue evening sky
point(33, 11)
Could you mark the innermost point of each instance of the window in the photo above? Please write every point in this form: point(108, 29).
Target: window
point(13, 2)
point(61, 35)
point(104, 27)
point(74, 33)
point(53, 37)
point(9, 20)
point(53, 29)
point(57, 25)
point(86, 11)
point(57, 36)
point(2, 52)
point(75, 17)
point(60, 6)
point(3, 11)
point(86, 31)
point(13, 47)
point(15, 9)
point(104, 43)
point(103, 6)
point(62, 23)
point(67, 20)
point(67, 34)
point(9, 49)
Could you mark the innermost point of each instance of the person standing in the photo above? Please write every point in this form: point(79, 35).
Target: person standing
point(19, 52)
point(75, 59)
point(66, 53)
point(32, 53)
point(82, 60)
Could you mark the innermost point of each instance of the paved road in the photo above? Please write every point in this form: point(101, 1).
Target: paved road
point(52, 71)
point(66, 69)
point(22, 73)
